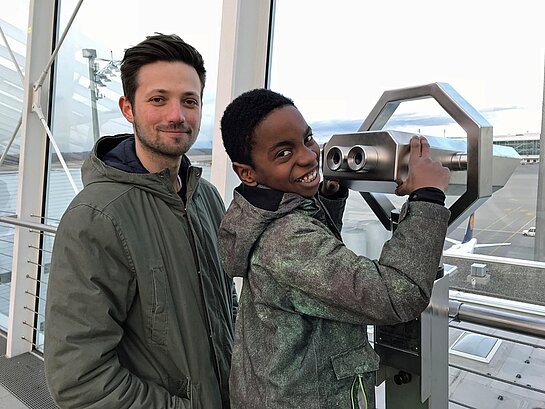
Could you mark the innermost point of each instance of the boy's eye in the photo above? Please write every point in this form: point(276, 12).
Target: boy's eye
point(283, 153)
point(308, 139)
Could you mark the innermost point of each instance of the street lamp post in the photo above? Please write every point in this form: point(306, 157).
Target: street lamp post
point(91, 54)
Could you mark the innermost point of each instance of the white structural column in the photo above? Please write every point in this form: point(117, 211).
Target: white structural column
point(539, 243)
point(242, 66)
point(30, 187)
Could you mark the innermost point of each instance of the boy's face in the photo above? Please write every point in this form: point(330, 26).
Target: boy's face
point(285, 155)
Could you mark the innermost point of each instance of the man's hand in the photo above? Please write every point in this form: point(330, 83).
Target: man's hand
point(423, 171)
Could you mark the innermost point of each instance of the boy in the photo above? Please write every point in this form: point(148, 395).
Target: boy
point(301, 336)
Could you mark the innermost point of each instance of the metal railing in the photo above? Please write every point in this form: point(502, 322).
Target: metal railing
point(35, 292)
point(461, 311)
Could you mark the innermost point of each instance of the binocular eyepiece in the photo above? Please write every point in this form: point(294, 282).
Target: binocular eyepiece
point(358, 158)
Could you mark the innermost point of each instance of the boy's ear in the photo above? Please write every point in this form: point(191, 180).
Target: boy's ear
point(245, 173)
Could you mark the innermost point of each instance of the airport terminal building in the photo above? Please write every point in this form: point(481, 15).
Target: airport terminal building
point(527, 145)
point(481, 342)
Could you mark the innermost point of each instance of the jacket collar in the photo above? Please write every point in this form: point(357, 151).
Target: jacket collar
point(119, 152)
point(261, 197)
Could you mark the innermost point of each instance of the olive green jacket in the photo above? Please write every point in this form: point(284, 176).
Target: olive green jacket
point(301, 337)
point(139, 312)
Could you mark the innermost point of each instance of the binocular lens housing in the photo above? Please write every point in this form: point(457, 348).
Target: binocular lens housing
point(362, 158)
point(335, 158)
point(356, 158)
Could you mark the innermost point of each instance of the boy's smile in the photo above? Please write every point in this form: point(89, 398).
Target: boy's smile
point(285, 155)
point(309, 177)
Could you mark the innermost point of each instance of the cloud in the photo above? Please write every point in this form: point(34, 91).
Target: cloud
point(323, 130)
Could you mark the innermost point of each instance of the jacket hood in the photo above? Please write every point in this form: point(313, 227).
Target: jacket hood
point(114, 159)
point(252, 210)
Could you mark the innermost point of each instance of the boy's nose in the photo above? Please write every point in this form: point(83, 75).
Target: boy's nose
point(307, 156)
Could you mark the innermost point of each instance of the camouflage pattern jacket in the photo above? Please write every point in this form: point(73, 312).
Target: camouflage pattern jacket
point(300, 337)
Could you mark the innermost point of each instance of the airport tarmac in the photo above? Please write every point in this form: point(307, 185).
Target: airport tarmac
point(503, 217)
point(500, 219)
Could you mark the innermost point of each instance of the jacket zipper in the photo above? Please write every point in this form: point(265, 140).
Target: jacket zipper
point(189, 197)
point(357, 386)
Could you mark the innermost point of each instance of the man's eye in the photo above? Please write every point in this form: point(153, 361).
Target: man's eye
point(308, 138)
point(191, 102)
point(157, 100)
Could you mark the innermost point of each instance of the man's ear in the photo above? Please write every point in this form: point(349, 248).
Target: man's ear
point(245, 173)
point(126, 108)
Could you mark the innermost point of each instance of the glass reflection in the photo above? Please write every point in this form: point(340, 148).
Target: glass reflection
point(87, 84)
point(12, 62)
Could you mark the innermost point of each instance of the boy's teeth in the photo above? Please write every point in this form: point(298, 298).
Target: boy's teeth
point(309, 177)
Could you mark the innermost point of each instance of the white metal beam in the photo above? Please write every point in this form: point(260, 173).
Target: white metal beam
point(242, 66)
point(30, 186)
point(539, 242)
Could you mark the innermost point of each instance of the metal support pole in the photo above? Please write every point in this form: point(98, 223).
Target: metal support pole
point(517, 322)
point(415, 369)
point(243, 59)
point(539, 243)
point(32, 165)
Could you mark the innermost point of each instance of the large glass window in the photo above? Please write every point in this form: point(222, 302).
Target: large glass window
point(12, 64)
point(87, 85)
point(335, 60)
point(491, 54)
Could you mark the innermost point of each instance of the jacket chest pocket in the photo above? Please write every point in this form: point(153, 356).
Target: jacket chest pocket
point(355, 361)
point(155, 305)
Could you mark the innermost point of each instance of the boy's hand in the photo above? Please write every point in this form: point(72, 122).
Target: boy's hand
point(423, 171)
point(329, 187)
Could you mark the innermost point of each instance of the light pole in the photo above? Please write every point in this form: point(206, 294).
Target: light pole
point(91, 54)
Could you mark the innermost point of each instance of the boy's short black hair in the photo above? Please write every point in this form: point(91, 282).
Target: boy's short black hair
point(242, 116)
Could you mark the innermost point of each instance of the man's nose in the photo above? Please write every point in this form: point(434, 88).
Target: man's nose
point(175, 112)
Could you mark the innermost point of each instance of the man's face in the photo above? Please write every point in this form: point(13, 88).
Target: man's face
point(285, 155)
point(167, 109)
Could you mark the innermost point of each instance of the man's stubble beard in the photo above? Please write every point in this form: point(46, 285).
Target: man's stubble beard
point(156, 146)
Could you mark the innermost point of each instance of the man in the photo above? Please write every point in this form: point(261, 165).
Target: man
point(139, 312)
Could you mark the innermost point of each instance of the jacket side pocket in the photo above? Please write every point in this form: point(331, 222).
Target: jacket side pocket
point(181, 387)
point(355, 361)
point(158, 308)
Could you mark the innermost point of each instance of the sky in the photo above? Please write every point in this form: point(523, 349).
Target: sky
point(335, 62)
